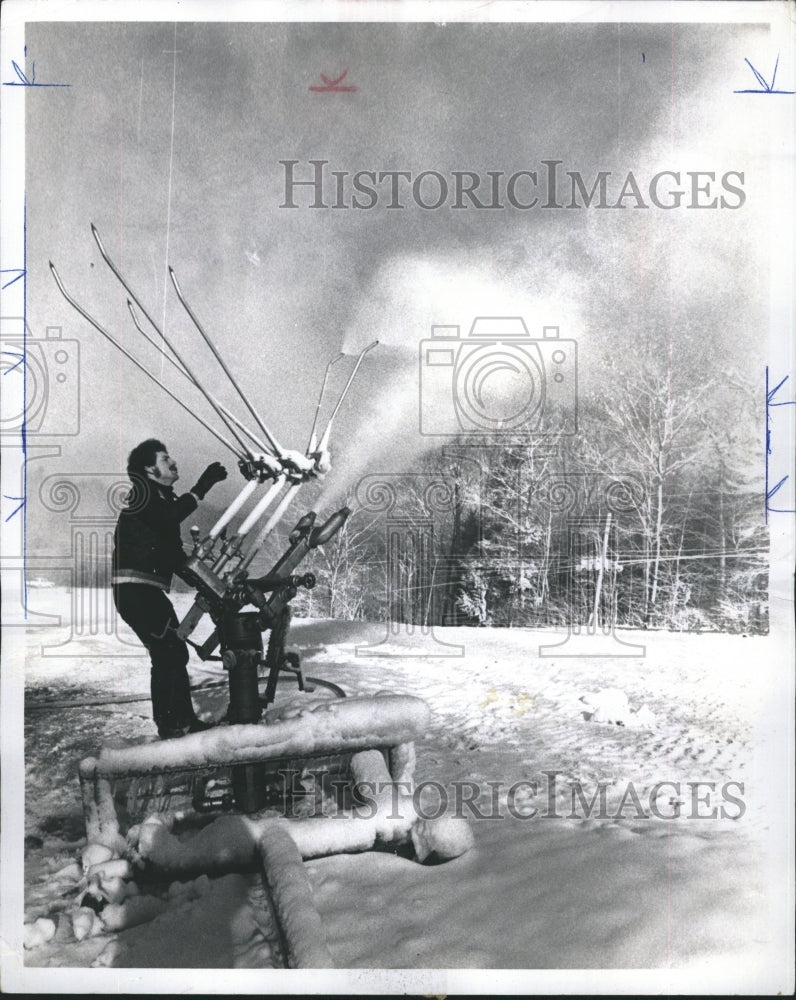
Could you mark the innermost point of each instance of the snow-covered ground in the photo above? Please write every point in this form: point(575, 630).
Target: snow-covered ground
point(547, 886)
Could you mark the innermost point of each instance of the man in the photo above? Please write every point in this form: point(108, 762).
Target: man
point(148, 550)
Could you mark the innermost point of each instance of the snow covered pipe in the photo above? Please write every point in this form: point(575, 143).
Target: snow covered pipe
point(102, 824)
point(261, 507)
point(339, 726)
point(233, 508)
point(291, 897)
point(388, 817)
point(270, 524)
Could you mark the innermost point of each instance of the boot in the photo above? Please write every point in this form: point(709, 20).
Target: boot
point(198, 726)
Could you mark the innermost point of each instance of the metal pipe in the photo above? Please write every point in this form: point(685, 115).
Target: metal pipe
point(290, 494)
point(165, 339)
point(262, 506)
point(233, 508)
point(184, 373)
point(144, 369)
point(220, 360)
point(344, 393)
point(269, 526)
point(231, 548)
point(313, 441)
point(266, 449)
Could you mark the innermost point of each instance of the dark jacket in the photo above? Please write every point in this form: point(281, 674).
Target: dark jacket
point(148, 548)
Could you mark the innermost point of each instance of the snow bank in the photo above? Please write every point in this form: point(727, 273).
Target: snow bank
point(106, 899)
point(535, 893)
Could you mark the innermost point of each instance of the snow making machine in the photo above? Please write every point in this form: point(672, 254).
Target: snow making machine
point(257, 759)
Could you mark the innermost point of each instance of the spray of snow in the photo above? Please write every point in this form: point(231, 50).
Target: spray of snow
point(408, 295)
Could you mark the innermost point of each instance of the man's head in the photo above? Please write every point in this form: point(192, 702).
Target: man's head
point(150, 460)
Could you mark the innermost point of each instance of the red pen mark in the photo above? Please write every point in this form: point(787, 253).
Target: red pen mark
point(332, 86)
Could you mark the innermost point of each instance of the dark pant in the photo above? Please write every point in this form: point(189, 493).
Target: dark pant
point(150, 614)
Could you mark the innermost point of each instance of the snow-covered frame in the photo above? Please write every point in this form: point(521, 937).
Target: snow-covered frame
point(777, 259)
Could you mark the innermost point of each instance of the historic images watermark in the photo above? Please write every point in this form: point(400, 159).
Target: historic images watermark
point(555, 796)
point(309, 184)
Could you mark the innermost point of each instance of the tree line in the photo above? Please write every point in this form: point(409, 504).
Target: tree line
point(651, 516)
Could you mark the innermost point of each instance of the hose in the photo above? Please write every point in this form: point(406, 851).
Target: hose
point(41, 705)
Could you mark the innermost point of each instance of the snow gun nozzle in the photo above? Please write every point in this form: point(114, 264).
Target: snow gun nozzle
point(303, 527)
point(329, 528)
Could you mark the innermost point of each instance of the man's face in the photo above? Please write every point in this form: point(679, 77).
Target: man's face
point(164, 470)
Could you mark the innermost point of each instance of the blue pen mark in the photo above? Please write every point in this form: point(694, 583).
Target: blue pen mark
point(771, 491)
point(23, 80)
point(643, 59)
point(18, 271)
point(18, 509)
point(24, 428)
point(13, 354)
point(765, 87)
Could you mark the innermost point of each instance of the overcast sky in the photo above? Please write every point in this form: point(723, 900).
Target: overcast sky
point(175, 158)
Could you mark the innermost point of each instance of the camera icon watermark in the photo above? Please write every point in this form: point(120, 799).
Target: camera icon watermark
point(498, 380)
point(415, 571)
point(40, 381)
point(92, 503)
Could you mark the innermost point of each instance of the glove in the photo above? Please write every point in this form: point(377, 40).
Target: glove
point(213, 474)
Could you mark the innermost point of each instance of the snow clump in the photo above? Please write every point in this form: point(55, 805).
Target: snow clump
point(611, 705)
point(447, 837)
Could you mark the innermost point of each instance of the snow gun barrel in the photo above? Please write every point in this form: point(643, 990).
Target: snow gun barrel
point(267, 583)
point(282, 584)
point(327, 531)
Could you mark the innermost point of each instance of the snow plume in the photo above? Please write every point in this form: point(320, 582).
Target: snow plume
point(406, 298)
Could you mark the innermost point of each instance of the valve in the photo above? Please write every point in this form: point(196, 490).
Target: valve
point(260, 467)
